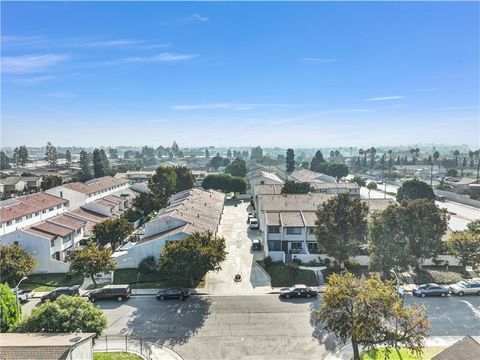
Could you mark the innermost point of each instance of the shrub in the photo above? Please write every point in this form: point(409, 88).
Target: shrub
point(352, 265)
point(293, 265)
point(267, 260)
point(327, 262)
point(148, 265)
point(314, 262)
point(297, 261)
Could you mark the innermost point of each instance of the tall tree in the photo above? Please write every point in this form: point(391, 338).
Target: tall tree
point(112, 231)
point(415, 189)
point(91, 260)
point(175, 148)
point(98, 164)
point(184, 179)
point(290, 160)
point(237, 167)
point(229, 154)
point(51, 155)
point(318, 162)
point(68, 157)
point(341, 227)
point(85, 161)
point(113, 153)
point(257, 153)
point(456, 154)
point(67, 314)
point(465, 246)
point(22, 155)
point(292, 187)
point(389, 248)
point(207, 154)
point(336, 170)
point(50, 181)
point(188, 260)
point(16, 157)
point(371, 186)
point(216, 161)
point(370, 313)
point(163, 183)
point(15, 263)
point(147, 203)
point(4, 161)
point(105, 162)
point(9, 311)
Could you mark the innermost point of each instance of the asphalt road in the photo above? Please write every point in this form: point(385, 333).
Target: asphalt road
point(258, 326)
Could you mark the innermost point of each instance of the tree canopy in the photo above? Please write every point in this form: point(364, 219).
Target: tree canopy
point(415, 189)
point(15, 263)
point(186, 261)
point(341, 226)
point(370, 313)
point(163, 183)
point(257, 153)
point(336, 170)
point(51, 155)
point(292, 187)
point(9, 312)
point(290, 160)
point(225, 183)
point(50, 181)
point(184, 179)
point(237, 167)
point(359, 180)
point(112, 231)
point(91, 260)
point(465, 246)
point(318, 162)
point(67, 314)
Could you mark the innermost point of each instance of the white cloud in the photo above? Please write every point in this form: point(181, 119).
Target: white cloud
point(31, 63)
point(319, 60)
point(383, 98)
point(200, 17)
point(164, 57)
point(109, 43)
point(34, 80)
point(192, 18)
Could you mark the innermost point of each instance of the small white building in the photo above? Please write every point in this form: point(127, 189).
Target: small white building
point(79, 193)
point(190, 211)
point(309, 176)
point(263, 178)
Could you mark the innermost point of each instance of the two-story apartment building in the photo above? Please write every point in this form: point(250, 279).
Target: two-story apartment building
point(23, 211)
point(190, 211)
point(78, 193)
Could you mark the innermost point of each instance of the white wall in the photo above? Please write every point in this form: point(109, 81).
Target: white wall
point(83, 351)
point(277, 255)
point(161, 224)
point(75, 198)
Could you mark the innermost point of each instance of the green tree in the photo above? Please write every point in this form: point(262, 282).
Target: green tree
point(217, 161)
point(318, 162)
point(341, 227)
point(229, 154)
point(112, 231)
point(113, 153)
point(85, 162)
point(290, 160)
point(9, 311)
point(15, 263)
point(257, 153)
point(147, 203)
point(474, 227)
point(389, 248)
point(207, 154)
point(423, 225)
point(452, 172)
point(67, 314)
point(371, 186)
point(175, 148)
point(22, 155)
point(415, 189)
point(336, 170)
point(225, 183)
point(237, 167)
point(292, 187)
point(50, 181)
point(98, 164)
point(465, 246)
point(91, 260)
point(184, 179)
point(359, 180)
point(51, 155)
point(68, 157)
point(186, 261)
point(163, 183)
point(370, 313)
point(4, 161)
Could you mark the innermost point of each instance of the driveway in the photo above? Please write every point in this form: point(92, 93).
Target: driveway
point(240, 259)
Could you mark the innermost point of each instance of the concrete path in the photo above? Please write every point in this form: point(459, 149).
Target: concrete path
point(345, 352)
point(240, 259)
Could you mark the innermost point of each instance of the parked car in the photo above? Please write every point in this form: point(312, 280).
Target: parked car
point(118, 292)
point(54, 294)
point(254, 224)
point(24, 295)
point(431, 290)
point(256, 245)
point(298, 291)
point(469, 287)
point(174, 293)
point(441, 198)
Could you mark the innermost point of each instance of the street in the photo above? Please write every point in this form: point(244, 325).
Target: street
point(257, 326)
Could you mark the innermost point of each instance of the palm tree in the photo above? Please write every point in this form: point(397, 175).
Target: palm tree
point(456, 154)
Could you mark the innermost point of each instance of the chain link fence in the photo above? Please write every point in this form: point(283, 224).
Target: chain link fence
point(109, 343)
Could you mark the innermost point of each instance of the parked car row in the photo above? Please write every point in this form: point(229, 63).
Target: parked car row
point(23, 295)
point(465, 287)
point(298, 290)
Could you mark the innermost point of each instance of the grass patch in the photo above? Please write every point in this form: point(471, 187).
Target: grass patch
point(47, 282)
point(402, 354)
point(283, 275)
point(436, 274)
point(139, 280)
point(358, 271)
point(115, 356)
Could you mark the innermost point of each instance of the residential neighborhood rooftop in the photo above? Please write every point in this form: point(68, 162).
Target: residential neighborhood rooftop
point(464, 349)
point(285, 202)
point(24, 205)
point(96, 185)
point(304, 175)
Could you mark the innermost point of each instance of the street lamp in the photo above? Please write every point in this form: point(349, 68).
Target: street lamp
point(16, 292)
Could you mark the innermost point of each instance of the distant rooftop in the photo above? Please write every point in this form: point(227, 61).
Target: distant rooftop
point(24, 205)
point(96, 185)
point(304, 175)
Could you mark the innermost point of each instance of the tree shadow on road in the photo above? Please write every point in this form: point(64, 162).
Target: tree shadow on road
point(328, 340)
point(174, 323)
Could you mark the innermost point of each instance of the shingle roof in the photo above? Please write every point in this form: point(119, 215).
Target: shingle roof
point(273, 219)
point(96, 185)
point(292, 219)
point(68, 221)
point(12, 180)
point(51, 228)
point(464, 349)
point(29, 204)
point(292, 202)
point(304, 175)
point(268, 189)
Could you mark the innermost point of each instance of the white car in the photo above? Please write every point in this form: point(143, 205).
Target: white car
point(466, 287)
point(254, 224)
point(24, 295)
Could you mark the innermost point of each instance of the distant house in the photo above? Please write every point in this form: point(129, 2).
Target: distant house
point(79, 193)
point(261, 177)
point(13, 184)
point(46, 346)
point(309, 176)
point(190, 211)
point(465, 349)
point(33, 182)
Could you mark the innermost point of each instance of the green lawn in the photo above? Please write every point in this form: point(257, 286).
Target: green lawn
point(436, 274)
point(115, 356)
point(47, 282)
point(402, 354)
point(283, 275)
point(144, 281)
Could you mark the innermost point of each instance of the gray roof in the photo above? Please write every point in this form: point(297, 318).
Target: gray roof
point(12, 180)
point(304, 175)
point(268, 189)
point(292, 202)
point(464, 349)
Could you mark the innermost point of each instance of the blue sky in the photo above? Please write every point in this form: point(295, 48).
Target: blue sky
point(274, 74)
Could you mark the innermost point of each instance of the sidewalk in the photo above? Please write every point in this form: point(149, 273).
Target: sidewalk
point(345, 352)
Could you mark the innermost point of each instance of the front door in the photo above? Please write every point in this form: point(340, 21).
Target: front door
point(285, 246)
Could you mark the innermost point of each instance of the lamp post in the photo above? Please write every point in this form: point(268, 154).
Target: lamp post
point(16, 293)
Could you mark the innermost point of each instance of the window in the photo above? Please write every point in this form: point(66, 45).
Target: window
point(29, 216)
point(311, 231)
point(296, 246)
point(274, 245)
point(44, 211)
point(9, 223)
point(262, 182)
point(274, 230)
point(52, 243)
point(294, 230)
point(61, 194)
point(51, 209)
point(19, 219)
point(37, 213)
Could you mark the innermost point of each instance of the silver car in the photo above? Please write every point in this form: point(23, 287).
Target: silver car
point(467, 287)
